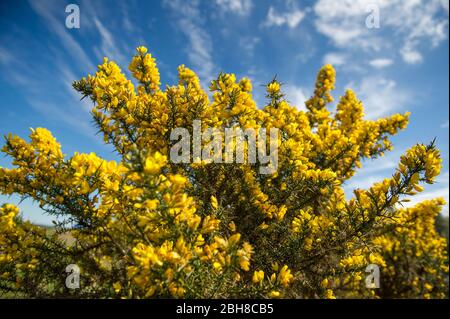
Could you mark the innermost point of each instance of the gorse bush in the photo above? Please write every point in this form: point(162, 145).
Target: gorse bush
point(147, 227)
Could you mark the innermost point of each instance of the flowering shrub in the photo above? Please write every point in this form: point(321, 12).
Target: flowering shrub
point(147, 227)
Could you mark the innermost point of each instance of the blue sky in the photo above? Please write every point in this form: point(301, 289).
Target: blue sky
point(400, 66)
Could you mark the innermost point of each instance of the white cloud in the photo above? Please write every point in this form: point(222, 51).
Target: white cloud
point(444, 4)
point(439, 189)
point(362, 183)
point(127, 19)
point(240, 7)
point(55, 99)
point(443, 178)
point(45, 10)
point(380, 96)
point(377, 170)
point(373, 170)
point(445, 125)
point(410, 25)
point(386, 163)
point(341, 21)
point(67, 76)
point(336, 59)
point(248, 44)
point(67, 113)
point(291, 18)
point(426, 195)
point(199, 50)
point(45, 96)
point(108, 46)
point(411, 56)
point(381, 63)
point(6, 57)
point(296, 96)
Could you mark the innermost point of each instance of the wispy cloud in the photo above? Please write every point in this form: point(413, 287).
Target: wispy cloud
point(384, 164)
point(426, 195)
point(48, 90)
point(46, 10)
point(373, 170)
point(67, 112)
point(363, 183)
point(443, 178)
point(67, 76)
point(189, 22)
point(412, 24)
point(248, 44)
point(240, 7)
point(56, 100)
point(341, 21)
point(380, 96)
point(296, 96)
point(108, 45)
point(411, 55)
point(291, 17)
point(381, 63)
point(6, 57)
point(334, 58)
point(127, 21)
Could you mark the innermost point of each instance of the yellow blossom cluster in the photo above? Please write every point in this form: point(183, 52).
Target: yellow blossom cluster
point(143, 68)
point(142, 226)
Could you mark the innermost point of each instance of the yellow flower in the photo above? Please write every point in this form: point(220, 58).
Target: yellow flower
point(151, 204)
point(234, 239)
point(329, 294)
point(143, 68)
point(117, 287)
point(147, 223)
point(274, 294)
point(153, 164)
point(214, 202)
point(285, 277)
point(217, 266)
point(178, 179)
point(428, 286)
point(246, 85)
point(273, 88)
point(141, 50)
point(199, 241)
point(258, 276)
